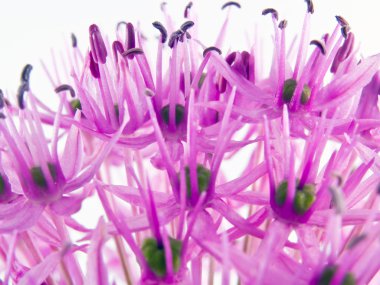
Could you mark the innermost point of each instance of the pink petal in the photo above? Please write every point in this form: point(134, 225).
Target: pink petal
point(41, 271)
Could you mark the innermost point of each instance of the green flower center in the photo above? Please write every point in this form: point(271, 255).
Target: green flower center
point(179, 114)
point(155, 255)
point(39, 177)
point(289, 88)
point(303, 200)
point(75, 105)
point(328, 274)
point(203, 177)
point(2, 185)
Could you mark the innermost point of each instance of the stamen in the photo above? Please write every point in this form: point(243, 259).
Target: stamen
point(207, 50)
point(132, 52)
point(25, 75)
point(187, 8)
point(94, 67)
point(65, 87)
point(187, 25)
point(342, 21)
point(98, 47)
point(1, 99)
point(163, 5)
point(74, 41)
point(130, 36)
point(270, 11)
point(174, 37)
point(121, 23)
point(20, 94)
point(310, 6)
point(283, 24)
point(117, 47)
point(161, 28)
point(320, 45)
point(154, 254)
point(2, 116)
point(345, 31)
point(231, 3)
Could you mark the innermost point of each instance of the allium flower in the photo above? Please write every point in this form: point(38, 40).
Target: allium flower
point(202, 167)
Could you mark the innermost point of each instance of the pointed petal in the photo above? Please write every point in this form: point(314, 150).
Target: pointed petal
point(22, 216)
point(72, 157)
point(41, 271)
point(96, 268)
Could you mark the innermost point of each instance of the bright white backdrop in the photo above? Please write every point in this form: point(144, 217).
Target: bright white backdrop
point(29, 29)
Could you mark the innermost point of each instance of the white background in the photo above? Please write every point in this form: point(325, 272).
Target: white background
point(29, 29)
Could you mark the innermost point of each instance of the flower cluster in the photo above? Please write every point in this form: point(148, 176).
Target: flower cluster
point(203, 166)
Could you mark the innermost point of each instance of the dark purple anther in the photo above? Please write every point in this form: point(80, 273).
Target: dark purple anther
point(130, 36)
point(1, 99)
point(2, 116)
point(320, 45)
point(161, 28)
point(117, 47)
point(74, 41)
point(207, 50)
point(341, 21)
point(271, 11)
point(310, 6)
point(20, 94)
point(283, 24)
point(25, 75)
point(187, 8)
point(187, 25)
point(65, 87)
point(98, 47)
point(231, 3)
point(245, 58)
point(132, 52)
point(121, 23)
point(174, 37)
point(345, 31)
point(94, 67)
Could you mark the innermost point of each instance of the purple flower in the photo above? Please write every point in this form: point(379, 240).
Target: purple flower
point(199, 165)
